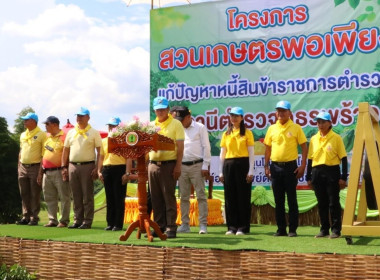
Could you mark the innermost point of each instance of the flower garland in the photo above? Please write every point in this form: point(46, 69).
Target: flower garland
point(135, 125)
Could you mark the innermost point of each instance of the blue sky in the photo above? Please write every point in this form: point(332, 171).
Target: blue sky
point(59, 55)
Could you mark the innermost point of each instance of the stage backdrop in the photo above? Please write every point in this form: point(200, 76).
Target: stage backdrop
point(317, 54)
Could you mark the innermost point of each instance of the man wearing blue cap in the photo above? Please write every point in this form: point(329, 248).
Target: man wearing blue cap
point(281, 142)
point(326, 152)
point(79, 166)
point(31, 150)
point(164, 169)
point(114, 171)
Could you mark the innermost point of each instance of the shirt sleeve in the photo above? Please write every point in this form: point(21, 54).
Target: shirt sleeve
point(268, 138)
point(250, 139)
point(205, 142)
point(301, 138)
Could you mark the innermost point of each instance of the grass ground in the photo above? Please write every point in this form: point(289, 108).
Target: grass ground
point(261, 238)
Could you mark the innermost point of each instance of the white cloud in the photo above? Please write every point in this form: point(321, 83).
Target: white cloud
point(70, 60)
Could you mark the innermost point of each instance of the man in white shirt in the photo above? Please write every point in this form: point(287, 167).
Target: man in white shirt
point(195, 168)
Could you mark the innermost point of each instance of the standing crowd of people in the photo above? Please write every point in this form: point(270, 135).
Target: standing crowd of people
point(66, 165)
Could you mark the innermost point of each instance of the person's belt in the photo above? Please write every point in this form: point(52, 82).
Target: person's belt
point(284, 163)
point(192, 162)
point(108, 166)
point(82, 163)
point(52, 169)
point(30, 165)
point(162, 162)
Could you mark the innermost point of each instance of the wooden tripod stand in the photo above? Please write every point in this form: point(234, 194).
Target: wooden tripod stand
point(136, 144)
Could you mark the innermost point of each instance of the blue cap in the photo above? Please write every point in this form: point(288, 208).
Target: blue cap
point(83, 111)
point(283, 105)
point(160, 103)
point(323, 116)
point(29, 116)
point(237, 111)
point(114, 121)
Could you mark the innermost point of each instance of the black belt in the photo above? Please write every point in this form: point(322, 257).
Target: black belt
point(52, 169)
point(82, 163)
point(192, 162)
point(30, 165)
point(162, 162)
point(113, 165)
point(284, 163)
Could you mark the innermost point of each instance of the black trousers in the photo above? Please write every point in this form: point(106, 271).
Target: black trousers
point(237, 194)
point(325, 180)
point(284, 181)
point(115, 194)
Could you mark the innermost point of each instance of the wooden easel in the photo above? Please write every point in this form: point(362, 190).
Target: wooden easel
point(136, 144)
point(367, 135)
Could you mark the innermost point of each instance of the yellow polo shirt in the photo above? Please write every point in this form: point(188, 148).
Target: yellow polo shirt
point(32, 147)
point(110, 158)
point(52, 152)
point(82, 148)
point(173, 129)
point(328, 149)
point(237, 145)
point(284, 140)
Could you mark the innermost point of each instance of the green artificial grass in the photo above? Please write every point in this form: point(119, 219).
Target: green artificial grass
point(261, 238)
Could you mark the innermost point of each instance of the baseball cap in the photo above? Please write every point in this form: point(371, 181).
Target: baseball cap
point(182, 112)
point(323, 116)
point(114, 121)
point(83, 111)
point(29, 116)
point(283, 105)
point(160, 103)
point(52, 119)
point(237, 111)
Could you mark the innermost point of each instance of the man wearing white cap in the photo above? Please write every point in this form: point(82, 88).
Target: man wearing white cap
point(164, 169)
point(114, 171)
point(79, 165)
point(281, 148)
point(31, 149)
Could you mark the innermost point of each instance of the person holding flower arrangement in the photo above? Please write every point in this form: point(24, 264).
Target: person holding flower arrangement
point(114, 171)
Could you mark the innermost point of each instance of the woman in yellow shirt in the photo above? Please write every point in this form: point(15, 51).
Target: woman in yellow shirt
point(236, 172)
point(326, 152)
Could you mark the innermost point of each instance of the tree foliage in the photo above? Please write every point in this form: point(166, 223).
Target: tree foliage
point(10, 201)
point(19, 123)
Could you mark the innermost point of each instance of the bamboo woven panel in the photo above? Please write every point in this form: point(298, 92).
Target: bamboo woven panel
point(70, 260)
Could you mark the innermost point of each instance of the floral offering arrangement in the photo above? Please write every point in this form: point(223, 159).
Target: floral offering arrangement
point(135, 125)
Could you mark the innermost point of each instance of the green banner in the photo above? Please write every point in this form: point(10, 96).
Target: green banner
point(318, 55)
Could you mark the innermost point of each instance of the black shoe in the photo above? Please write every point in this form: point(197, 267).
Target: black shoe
point(22, 222)
point(32, 223)
point(171, 234)
point(292, 234)
point(116, 229)
point(85, 226)
point(74, 226)
point(334, 235)
point(321, 234)
point(108, 228)
point(280, 233)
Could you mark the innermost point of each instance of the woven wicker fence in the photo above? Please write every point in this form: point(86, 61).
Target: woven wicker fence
point(69, 260)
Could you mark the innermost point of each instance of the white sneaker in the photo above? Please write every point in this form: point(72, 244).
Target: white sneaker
point(240, 233)
point(230, 232)
point(202, 229)
point(184, 228)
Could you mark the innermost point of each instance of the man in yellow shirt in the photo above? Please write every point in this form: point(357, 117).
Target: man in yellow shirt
point(164, 169)
point(79, 165)
point(281, 142)
point(114, 171)
point(326, 152)
point(53, 185)
point(31, 147)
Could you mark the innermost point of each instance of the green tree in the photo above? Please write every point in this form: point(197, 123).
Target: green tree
point(10, 201)
point(19, 123)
